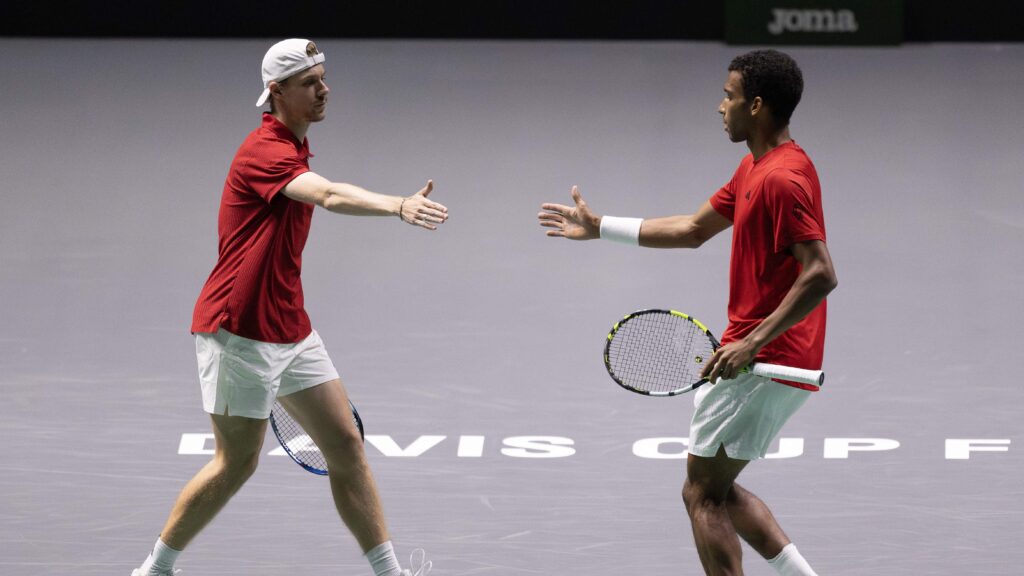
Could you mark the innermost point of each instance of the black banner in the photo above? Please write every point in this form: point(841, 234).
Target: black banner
point(820, 22)
point(910, 20)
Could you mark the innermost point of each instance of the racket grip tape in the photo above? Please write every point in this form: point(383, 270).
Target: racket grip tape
point(804, 376)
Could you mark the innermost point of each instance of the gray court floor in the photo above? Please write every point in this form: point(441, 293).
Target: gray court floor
point(500, 445)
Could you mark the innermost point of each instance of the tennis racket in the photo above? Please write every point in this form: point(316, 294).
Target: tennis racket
point(662, 353)
point(299, 446)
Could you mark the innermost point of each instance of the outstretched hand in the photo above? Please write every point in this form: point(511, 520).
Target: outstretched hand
point(418, 210)
point(573, 222)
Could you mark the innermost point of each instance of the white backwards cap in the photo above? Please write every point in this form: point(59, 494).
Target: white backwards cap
point(287, 58)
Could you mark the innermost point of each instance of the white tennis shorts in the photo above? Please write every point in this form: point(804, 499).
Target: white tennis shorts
point(242, 377)
point(743, 414)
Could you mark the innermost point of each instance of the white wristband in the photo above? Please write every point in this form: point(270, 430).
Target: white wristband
point(624, 230)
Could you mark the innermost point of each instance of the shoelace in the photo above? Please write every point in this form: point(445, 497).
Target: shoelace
point(424, 564)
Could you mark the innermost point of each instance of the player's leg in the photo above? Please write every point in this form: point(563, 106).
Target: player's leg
point(312, 393)
point(709, 481)
point(755, 523)
point(751, 517)
point(238, 388)
point(239, 441)
point(323, 413)
point(239, 382)
point(739, 418)
point(238, 444)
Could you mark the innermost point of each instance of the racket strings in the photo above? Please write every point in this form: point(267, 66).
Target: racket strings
point(658, 352)
point(295, 440)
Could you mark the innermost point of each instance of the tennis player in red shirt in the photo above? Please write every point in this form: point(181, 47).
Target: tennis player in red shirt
point(254, 340)
point(780, 274)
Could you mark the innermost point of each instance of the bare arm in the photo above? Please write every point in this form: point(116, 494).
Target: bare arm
point(579, 222)
point(816, 280)
point(688, 231)
point(341, 198)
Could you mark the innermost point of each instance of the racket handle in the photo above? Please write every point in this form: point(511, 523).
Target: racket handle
point(816, 377)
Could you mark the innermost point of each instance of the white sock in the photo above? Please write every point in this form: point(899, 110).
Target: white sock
point(161, 560)
point(383, 560)
point(789, 562)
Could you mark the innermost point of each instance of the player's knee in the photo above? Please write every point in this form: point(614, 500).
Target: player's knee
point(245, 468)
point(697, 495)
point(343, 448)
point(239, 467)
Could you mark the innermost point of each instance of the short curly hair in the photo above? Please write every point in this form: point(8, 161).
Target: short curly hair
point(775, 77)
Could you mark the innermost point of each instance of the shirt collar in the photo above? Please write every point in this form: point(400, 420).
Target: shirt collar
point(789, 144)
point(278, 128)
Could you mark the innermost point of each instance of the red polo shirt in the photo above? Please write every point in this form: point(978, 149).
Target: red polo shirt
point(255, 289)
point(773, 203)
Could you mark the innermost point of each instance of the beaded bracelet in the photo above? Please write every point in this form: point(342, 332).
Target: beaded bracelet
point(400, 207)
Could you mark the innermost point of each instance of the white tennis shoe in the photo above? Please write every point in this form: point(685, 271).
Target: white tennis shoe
point(423, 567)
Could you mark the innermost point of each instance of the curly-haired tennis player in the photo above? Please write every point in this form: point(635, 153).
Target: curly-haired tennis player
point(780, 274)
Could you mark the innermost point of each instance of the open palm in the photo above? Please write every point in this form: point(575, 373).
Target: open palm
point(573, 222)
